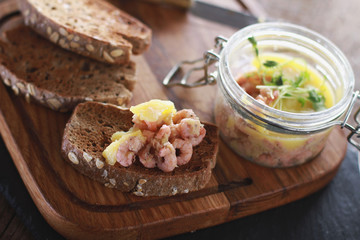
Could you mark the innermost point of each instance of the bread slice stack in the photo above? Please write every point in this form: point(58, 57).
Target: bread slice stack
point(82, 53)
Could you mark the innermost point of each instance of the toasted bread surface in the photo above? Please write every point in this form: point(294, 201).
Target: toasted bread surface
point(57, 78)
point(88, 133)
point(93, 28)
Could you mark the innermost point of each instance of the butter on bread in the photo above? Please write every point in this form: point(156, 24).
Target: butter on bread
point(92, 28)
point(89, 132)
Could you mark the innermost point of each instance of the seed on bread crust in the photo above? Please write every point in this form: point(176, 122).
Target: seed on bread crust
point(99, 164)
point(62, 42)
point(70, 37)
point(26, 12)
point(53, 103)
point(54, 37)
point(129, 77)
point(142, 181)
point(116, 53)
point(88, 47)
point(108, 185)
point(31, 89)
point(15, 89)
point(107, 57)
point(104, 174)
point(7, 82)
point(48, 30)
point(27, 98)
point(174, 191)
point(63, 32)
point(72, 157)
point(139, 194)
point(74, 45)
point(126, 184)
point(112, 181)
point(186, 191)
point(87, 157)
point(21, 86)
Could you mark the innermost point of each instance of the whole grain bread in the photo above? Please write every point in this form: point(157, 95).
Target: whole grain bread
point(93, 28)
point(56, 78)
point(89, 132)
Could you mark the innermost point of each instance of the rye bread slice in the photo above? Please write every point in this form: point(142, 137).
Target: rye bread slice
point(93, 28)
point(89, 132)
point(56, 78)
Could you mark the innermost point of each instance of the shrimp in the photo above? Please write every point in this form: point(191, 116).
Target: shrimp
point(125, 154)
point(155, 143)
point(250, 81)
point(167, 161)
point(163, 134)
point(267, 96)
point(186, 150)
point(191, 130)
point(197, 140)
point(145, 125)
point(185, 113)
point(147, 157)
point(148, 135)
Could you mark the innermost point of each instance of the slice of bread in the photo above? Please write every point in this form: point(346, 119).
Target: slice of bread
point(89, 132)
point(93, 28)
point(57, 78)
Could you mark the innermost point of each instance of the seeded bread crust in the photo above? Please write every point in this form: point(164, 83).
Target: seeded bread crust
point(89, 132)
point(92, 28)
point(56, 78)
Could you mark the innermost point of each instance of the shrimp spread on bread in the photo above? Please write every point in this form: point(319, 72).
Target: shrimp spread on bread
point(160, 137)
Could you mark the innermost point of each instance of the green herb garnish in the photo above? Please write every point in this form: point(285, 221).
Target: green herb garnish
point(317, 100)
point(301, 79)
point(295, 88)
point(278, 80)
point(270, 64)
point(302, 101)
point(254, 45)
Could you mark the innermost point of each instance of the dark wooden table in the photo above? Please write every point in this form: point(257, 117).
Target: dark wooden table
point(332, 213)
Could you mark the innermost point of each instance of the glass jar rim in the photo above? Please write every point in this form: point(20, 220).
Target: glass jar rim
point(300, 122)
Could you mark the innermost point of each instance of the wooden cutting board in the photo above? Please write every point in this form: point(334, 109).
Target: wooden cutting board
point(79, 208)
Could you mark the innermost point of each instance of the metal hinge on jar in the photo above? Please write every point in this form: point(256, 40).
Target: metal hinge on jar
point(355, 131)
point(209, 58)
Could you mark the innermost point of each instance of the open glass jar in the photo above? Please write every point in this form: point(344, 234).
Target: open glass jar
point(265, 135)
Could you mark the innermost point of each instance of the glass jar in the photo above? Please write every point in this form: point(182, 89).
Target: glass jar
point(265, 135)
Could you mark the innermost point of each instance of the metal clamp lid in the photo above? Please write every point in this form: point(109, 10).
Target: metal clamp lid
point(209, 58)
point(355, 131)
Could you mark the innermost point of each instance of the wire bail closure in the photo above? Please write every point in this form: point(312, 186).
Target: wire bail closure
point(355, 131)
point(209, 58)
